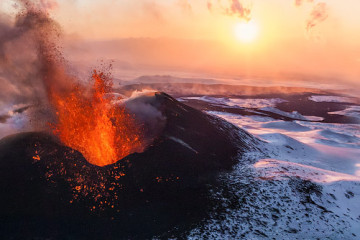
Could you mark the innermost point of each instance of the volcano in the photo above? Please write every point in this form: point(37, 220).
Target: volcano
point(49, 190)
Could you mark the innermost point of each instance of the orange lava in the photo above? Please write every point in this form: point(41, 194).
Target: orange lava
point(87, 121)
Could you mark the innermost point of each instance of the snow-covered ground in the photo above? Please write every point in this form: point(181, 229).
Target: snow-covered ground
point(352, 111)
point(333, 99)
point(238, 102)
point(306, 185)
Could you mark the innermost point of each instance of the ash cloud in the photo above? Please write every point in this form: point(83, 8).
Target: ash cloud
point(28, 50)
point(32, 68)
point(30, 59)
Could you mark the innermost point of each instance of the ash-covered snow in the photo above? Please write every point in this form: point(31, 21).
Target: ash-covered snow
point(294, 114)
point(281, 200)
point(305, 184)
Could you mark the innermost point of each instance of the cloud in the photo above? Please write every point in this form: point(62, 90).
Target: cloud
point(298, 3)
point(154, 10)
point(209, 6)
point(238, 9)
point(318, 14)
point(233, 8)
point(185, 6)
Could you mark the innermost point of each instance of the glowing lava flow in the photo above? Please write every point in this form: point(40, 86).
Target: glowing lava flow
point(89, 123)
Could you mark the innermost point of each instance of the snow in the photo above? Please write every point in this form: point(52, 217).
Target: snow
point(324, 145)
point(289, 126)
point(239, 102)
point(306, 184)
point(353, 111)
point(314, 118)
point(333, 99)
point(278, 170)
point(183, 143)
point(281, 200)
point(294, 114)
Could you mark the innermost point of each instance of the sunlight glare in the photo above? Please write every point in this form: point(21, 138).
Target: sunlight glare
point(246, 31)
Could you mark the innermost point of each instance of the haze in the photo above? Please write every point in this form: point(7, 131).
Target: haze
point(302, 42)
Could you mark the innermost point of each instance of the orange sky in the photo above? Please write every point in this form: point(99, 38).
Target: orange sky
point(199, 35)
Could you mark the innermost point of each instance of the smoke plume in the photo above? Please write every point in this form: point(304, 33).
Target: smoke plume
point(31, 64)
point(145, 108)
point(34, 72)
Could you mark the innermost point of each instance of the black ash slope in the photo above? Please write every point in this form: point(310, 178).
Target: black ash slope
point(161, 191)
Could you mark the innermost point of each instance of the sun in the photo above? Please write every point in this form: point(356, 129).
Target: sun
point(246, 31)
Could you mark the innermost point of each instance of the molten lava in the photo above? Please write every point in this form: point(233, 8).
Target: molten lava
point(87, 121)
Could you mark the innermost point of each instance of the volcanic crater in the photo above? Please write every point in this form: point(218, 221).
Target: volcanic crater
point(51, 190)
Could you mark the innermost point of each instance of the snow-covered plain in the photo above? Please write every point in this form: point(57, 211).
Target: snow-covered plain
point(305, 184)
point(238, 102)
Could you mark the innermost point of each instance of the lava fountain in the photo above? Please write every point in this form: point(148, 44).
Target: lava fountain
point(87, 121)
point(85, 117)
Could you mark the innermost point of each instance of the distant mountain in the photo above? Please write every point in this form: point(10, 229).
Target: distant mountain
point(177, 88)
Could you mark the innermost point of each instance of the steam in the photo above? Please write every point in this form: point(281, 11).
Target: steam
point(178, 89)
point(146, 109)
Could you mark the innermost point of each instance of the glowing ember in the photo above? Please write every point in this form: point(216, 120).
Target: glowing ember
point(88, 122)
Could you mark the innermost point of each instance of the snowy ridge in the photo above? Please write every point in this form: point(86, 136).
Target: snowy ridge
point(338, 99)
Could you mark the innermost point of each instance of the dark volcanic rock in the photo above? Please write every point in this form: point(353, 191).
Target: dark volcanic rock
point(50, 191)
